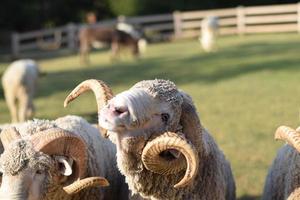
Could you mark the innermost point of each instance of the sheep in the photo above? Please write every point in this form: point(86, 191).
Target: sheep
point(282, 181)
point(209, 32)
point(19, 83)
point(58, 159)
point(138, 35)
point(159, 140)
point(116, 38)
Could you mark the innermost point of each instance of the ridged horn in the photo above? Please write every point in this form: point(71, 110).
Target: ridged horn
point(56, 141)
point(291, 136)
point(8, 135)
point(169, 140)
point(100, 89)
point(79, 185)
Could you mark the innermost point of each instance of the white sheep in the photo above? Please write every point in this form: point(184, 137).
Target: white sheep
point(162, 148)
point(209, 32)
point(58, 159)
point(282, 182)
point(19, 83)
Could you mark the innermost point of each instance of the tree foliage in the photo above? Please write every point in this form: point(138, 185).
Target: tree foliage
point(23, 15)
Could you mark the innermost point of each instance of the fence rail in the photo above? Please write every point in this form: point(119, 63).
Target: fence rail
point(239, 20)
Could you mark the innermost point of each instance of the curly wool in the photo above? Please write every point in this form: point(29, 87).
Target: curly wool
point(101, 160)
point(282, 181)
point(167, 91)
point(36, 125)
point(20, 155)
point(163, 89)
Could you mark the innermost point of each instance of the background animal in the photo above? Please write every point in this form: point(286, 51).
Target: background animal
point(209, 33)
point(283, 181)
point(162, 148)
point(19, 83)
point(45, 159)
point(116, 38)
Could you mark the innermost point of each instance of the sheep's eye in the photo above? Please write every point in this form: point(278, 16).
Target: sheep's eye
point(165, 117)
point(39, 172)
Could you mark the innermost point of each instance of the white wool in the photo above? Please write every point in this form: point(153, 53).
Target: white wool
point(127, 28)
point(101, 157)
point(209, 31)
point(142, 45)
point(19, 84)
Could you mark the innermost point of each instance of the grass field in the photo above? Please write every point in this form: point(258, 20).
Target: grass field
point(243, 92)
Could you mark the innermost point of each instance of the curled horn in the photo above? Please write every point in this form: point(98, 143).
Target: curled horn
point(100, 89)
point(289, 135)
point(8, 135)
point(152, 160)
point(79, 185)
point(56, 141)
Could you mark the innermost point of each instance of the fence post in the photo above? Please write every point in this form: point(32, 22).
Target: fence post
point(298, 17)
point(241, 25)
point(71, 34)
point(15, 44)
point(177, 24)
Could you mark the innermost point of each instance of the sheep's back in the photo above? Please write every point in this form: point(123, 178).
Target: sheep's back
point(21, 72)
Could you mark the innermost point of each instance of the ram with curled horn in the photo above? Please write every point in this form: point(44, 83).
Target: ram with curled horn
point(56, 160)
point(162, 148)
point(282, 181)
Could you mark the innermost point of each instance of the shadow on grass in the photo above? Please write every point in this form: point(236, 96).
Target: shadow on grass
point(247, 197)
point(179, 67)
point(181, 71)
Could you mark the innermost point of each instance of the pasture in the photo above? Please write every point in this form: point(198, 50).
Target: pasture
point(243, 92)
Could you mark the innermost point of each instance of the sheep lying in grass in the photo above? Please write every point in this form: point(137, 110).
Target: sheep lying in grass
point(209, 32)
point(283, 181)
point(19, 83)
point(162, 148)
point(58, 159)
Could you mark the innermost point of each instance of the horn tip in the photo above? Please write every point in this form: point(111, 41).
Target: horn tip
point(104, 182)
point(65, 104)
point(67, 101)
point(279, 131)
point(178, 185)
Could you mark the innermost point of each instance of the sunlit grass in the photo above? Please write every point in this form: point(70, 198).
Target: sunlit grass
point(243, 92)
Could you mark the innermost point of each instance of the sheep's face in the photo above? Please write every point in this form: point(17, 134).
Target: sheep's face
point(137, 113)
point(148, 109)
point(28, 174)
point(28, 184)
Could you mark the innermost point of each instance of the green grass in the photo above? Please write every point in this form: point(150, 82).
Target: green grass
point(243, 92)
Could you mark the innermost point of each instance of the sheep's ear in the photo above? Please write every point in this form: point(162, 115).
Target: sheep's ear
point(189, 119)
point(64, 165)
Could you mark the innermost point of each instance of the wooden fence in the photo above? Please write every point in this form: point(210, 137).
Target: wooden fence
point(240, 20)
